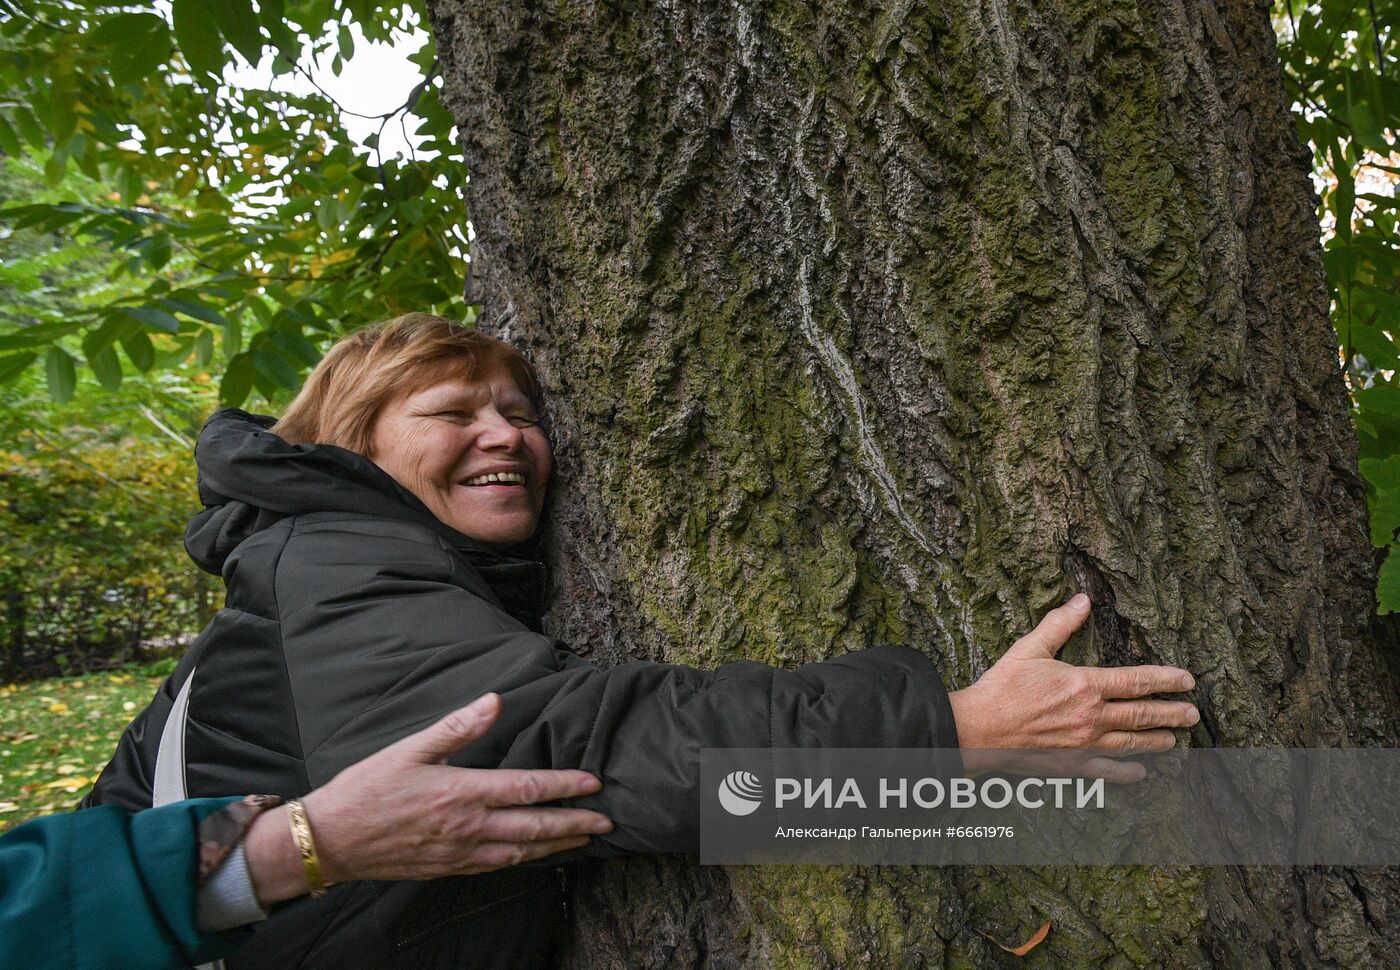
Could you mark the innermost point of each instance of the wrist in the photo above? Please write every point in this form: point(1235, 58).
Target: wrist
point(274, 864)
point(328, 819)
point(974, 739)
point(968, 717)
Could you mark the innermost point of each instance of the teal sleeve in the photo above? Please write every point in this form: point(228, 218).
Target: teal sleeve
point(101, 889)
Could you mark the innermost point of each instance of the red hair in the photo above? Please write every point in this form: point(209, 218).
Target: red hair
point(367, 370)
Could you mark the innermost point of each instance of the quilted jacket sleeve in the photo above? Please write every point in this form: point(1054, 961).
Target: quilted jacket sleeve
point(383, 633)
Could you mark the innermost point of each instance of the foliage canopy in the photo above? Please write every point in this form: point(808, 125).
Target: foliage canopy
point(237, 218)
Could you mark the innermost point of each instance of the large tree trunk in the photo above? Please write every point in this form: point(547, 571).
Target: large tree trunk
point(902, 322)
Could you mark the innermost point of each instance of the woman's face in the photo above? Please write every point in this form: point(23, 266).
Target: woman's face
point(473, 453)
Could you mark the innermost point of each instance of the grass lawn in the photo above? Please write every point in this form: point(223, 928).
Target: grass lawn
point(56, 735)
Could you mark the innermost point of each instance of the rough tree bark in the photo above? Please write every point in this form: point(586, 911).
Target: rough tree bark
point(902, 322)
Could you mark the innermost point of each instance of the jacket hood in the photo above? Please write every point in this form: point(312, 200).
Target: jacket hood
point(249, 479)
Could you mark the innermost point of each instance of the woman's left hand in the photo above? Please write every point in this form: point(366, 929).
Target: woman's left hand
point(1030, 704)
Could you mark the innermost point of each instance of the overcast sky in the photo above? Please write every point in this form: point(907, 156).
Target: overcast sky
point(377, 79)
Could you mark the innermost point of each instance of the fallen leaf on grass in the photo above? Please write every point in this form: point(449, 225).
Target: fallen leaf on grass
point(1036, 939)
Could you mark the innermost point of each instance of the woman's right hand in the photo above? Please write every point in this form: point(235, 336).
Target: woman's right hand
point(1030, 700)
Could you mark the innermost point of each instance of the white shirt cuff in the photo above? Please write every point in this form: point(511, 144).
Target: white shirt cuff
point(227, 899)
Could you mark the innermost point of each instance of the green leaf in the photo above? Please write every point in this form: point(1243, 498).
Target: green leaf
point(275, 368)
point(1385, 303)
point(239, 24)
point(40, 333)
point(1385, 518)
point(1388, 585)
point(261, 310)
point(153, 317)
point(272, 12)
point(176, 355)
point(80, 149)
point(1360, 92)
point(1381, 399)
point(14, 365)
point(328, 214)
point(62, 375)
point(237, 382)
point(273, 15)
point(296, 347)
point(233, 338)
point(129, 184)
point(139, 43)
point(55, 169)
point(139, 349)
point(9, 141)
point(1383, 473)
point(112, 328)
point(106, 368)
point(63, 96)
point(1375, 346)
point(121, 29)
point(157, 249)
point(198, 37)
point(30, 128)
point(198, 311)
point(204, 348)
point(1344, 197)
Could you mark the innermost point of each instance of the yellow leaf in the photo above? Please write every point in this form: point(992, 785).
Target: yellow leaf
point(1036, 939)
point(58, 708)
point(67, 769)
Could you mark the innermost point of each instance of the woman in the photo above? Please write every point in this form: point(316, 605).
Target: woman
point(373, 544)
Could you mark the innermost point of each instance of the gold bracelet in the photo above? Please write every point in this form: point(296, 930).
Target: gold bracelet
point(301, 835)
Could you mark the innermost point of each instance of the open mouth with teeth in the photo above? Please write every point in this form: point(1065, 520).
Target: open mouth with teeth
point(496, 478)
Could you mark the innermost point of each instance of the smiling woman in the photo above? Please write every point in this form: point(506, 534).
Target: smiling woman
point(474, 453)
point(437, 407)
point(376, 545)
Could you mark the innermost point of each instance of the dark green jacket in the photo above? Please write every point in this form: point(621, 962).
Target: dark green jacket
point(354, 617)
point(103, 889)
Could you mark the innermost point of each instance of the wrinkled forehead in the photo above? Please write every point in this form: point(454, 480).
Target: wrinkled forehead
point(475, 370)
point(458, 382)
